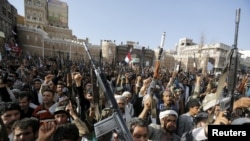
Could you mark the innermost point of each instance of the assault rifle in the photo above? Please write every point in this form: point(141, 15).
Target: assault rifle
point(95, 87)
point(114, 122)
point(233, 65)
point(161, 45)
point(156, 73)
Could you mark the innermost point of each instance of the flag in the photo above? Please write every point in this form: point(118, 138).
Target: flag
point(128, 58)
point(15, 48)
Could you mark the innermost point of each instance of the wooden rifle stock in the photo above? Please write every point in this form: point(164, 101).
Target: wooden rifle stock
point(242, 85)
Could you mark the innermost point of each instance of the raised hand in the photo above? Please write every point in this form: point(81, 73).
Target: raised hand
point(69, 108)
point(48, 78)
point(147, 81)
point(77, 77)
point(221, 119)
point(243, 102)
point(46, 131)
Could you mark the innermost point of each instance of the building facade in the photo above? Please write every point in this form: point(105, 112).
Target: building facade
point(190, 53)
point(8, 20)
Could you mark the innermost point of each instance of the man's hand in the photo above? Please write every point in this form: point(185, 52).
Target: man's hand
point(89, 97)
point(145, 85)
point(77, 78)
point(63, 101)
point(221, 119)
point(48, 78)
point(147, 81)
point(46, 131)
point(243, 102)
point(138, 81)
point(69, 108)
point(147, 102)
point(92, 112)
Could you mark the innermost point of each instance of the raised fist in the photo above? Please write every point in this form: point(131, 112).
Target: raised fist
point(147, 81)
point(48, 78)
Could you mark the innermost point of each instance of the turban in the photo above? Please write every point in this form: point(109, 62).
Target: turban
point(119, 97)
point(126, 94)
point(167, 113)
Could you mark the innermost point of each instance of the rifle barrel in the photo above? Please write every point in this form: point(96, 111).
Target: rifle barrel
point(162, 39)
point(237, 21)
point(162, 44)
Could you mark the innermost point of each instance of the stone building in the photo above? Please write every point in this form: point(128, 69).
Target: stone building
point(109, 51)
point(167, 59)
point(245, 60)
point(8, 20)
point(36, 41)
point(44, 31)
point(189, 53)
point(117, 53)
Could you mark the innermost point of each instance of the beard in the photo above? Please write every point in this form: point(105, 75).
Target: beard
point(122, 110)
point(170, 129)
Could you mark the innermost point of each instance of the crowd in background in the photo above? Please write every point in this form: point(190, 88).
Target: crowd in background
point(50, 98)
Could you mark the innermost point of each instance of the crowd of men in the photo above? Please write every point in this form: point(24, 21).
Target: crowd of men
point(50, 99)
